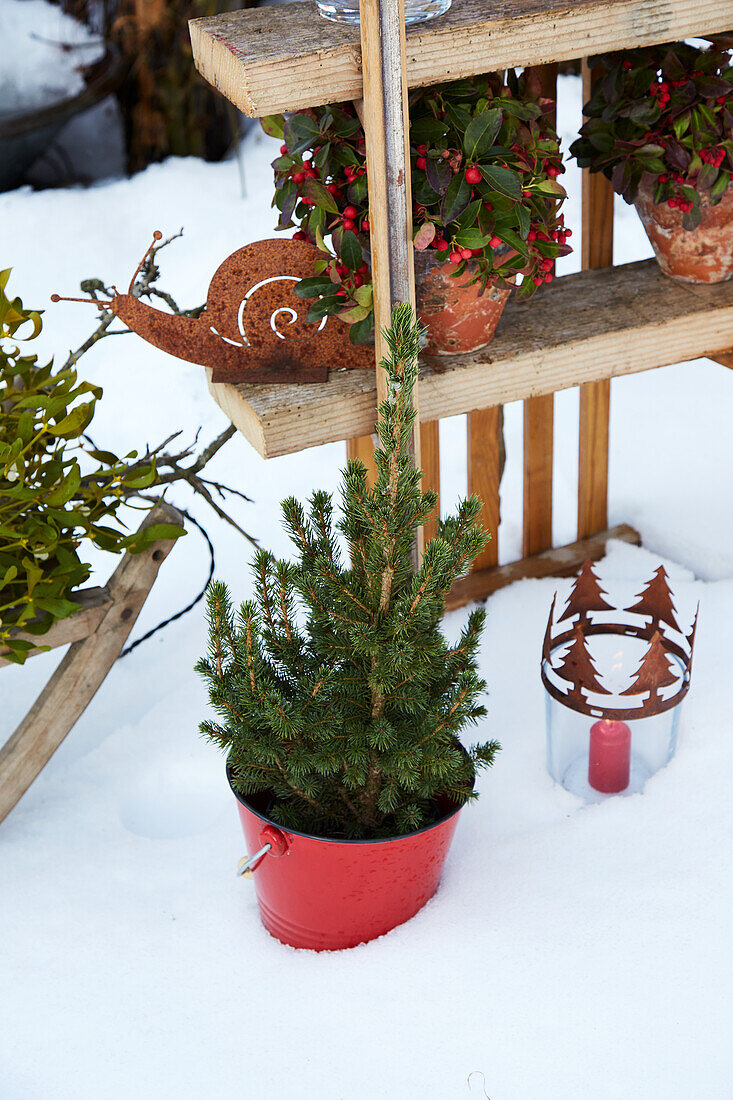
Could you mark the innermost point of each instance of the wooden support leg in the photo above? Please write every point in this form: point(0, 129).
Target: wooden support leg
point(486, 457)
point(538, 426)
point(430, 461)
point(595, 397)
point(82, 670)
point(363, 448)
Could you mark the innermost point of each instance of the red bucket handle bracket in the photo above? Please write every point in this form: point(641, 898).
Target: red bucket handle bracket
point(272, 841)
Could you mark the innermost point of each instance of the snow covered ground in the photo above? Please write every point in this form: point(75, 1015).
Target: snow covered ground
point(571, 953)
point(43, 49)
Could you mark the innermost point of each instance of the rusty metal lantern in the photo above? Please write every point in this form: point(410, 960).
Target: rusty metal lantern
point(614, 681)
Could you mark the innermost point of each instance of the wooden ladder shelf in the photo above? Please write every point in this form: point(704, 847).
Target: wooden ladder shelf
point(582, 331)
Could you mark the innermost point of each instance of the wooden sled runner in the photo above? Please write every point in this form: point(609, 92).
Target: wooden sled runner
point(97, 632)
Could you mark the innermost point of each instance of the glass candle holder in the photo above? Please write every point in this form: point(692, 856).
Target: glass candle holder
point(614, 683)
point(347, 11)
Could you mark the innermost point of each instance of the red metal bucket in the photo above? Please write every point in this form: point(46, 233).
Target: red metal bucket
point(329, 894)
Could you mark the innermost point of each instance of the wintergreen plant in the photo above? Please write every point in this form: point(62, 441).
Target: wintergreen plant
point(335, 689)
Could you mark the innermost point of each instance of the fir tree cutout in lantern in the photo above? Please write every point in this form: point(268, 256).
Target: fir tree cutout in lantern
point(630, 676)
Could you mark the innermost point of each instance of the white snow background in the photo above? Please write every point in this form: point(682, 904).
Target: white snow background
point(571, 953)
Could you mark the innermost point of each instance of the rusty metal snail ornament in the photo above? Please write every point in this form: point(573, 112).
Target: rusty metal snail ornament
point(253, 328)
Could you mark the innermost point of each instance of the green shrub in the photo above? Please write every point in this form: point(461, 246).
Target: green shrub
point(56, 489)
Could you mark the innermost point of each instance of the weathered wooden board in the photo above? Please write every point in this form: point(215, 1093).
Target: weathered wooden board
point(94, 603)
point(269, 59)
point(561, 561)
point(581, 328)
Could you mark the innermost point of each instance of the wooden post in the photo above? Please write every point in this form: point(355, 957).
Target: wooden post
point(595, 397)
point(485, 467)
point(538, 427)
point(386, 128)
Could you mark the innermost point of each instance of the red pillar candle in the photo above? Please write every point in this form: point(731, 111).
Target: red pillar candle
point(610, 756)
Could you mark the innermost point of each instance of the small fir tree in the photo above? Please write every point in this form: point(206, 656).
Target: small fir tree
point(656, 601)
point(654, 672)
point(578, 668)
point(336, 689)
point(586, 596)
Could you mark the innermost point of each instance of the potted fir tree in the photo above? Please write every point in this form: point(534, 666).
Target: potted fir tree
point(340, 702)
point(660, 125)
point(486, 199)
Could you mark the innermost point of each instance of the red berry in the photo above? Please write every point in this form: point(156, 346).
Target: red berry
point(537, 280)
point(364, 268)
point(626, 64)
point(671, 202)
point(365, 225)
point(663, 178)
point(422, 149)
point(358, 279)
point(477, 251)
point(466, 253)
point(488, 206)
point(298, 177)
point(340, 293)
point(299, 235)
point(495, 242)
point(568, 232)
point(455, 257)
point(721, 100)
point(526, 194)
point(420, 162)
point(283, 149)
point(306, 164)
point(531, 236)
point(553, 172)
point(548, 277)
point(441, 245)
point(349, 223)
point(350, 212)
point(473, 174)
point(310, 173)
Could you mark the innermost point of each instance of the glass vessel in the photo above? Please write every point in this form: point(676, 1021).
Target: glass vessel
point(347, 11)
point(593, 753)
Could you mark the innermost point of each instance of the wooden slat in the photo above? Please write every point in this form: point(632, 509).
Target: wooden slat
point(82, 670)
point(430, 462)
point(561, 561)
point(539, 414)
point(595, 397)
point(280, 58)
point(724, 358)
point(485, 467)
point(581, 328)
point(93, 606)
point(537, 482)
point(362, 448)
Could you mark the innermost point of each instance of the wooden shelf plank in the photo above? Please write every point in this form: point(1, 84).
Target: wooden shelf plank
point(267, 60)
point(582, 328)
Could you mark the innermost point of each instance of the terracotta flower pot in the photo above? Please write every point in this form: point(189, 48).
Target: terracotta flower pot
point(330, 894)
point(702, 255)
point(459, 318)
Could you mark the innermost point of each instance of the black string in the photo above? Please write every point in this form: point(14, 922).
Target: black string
point(189, 607)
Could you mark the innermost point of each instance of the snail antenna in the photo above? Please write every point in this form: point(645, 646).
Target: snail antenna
point(87, 301)
point(156, 237)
